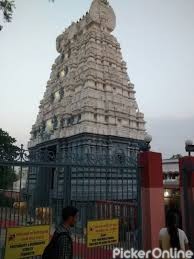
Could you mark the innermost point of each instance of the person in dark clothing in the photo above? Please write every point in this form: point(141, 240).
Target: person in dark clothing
point(61, 245)
point(65, 243)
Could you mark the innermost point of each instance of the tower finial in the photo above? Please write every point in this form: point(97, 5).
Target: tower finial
point(102, 1)
point(105, 2)
point(102, 13)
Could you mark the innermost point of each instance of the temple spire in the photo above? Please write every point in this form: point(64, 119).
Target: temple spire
point(102, 13)
point(89, 90)
point(104, 2)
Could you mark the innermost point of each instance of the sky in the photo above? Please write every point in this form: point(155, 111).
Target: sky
point(157, 41)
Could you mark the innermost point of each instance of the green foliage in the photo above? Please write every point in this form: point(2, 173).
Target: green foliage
point(6, 9)
point(5, 201)
point(7, 177)
point(8, 151)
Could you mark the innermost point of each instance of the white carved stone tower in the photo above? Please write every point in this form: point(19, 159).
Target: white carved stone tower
point(89, 90)
point(89, 116)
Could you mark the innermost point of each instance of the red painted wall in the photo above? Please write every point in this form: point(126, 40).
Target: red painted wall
point(152, 198)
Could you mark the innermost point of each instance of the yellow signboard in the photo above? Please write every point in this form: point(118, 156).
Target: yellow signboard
point(102, 232)
point(24, 242)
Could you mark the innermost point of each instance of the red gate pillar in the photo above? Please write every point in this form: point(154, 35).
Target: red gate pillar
point(152, 198)
point(186, 165)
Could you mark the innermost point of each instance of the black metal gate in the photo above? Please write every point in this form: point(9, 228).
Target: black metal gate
point(100, 186)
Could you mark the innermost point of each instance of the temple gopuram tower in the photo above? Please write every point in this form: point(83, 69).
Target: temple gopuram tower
point(89, 99)
point(89, 120)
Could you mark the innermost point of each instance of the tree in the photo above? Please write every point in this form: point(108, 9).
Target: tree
point(6, 9)
point(8, 151)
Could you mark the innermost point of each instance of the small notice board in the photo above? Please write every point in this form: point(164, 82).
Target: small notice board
point(24, 242)
point(102, 232)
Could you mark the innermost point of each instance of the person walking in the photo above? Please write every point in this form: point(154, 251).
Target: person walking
point(172, 237)
point(61, 245)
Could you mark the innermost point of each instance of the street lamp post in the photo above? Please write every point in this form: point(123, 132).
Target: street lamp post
point(189, 146)
point(146, 145)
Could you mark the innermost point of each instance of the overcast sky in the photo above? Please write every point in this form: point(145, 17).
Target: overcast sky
point(157, 40)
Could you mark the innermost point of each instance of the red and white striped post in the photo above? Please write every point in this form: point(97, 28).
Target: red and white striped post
point(152, 198)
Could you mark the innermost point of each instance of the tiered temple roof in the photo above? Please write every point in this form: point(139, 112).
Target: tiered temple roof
point(89, 90)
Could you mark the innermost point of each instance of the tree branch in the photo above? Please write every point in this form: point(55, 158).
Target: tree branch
point(6, 8)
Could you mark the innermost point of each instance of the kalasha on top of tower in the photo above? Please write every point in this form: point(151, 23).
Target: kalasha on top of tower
point(100, 13)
